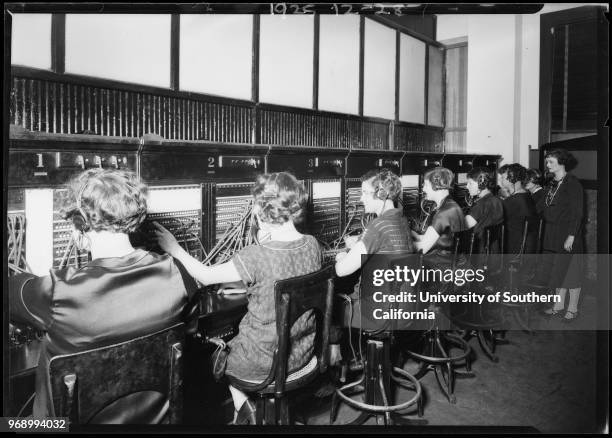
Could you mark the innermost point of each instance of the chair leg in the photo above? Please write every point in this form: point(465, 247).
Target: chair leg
point(260, 409)
point(334, 408)
point(489, 349)
point(283, 417)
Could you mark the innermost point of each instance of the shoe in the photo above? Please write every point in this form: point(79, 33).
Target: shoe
point(570, 316)
point(246, 414)
point(551, 313)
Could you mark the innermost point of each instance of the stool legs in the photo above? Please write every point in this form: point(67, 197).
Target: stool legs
point(376, 381)
point(438, 360)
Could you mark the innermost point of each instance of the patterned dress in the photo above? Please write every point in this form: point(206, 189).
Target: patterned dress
point(259, 266)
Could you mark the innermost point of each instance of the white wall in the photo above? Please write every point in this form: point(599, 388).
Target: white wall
point(503, 59)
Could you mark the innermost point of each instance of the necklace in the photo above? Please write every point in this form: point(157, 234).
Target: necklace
point(550, 195)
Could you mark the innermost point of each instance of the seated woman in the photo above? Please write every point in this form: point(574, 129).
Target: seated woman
point(122, 294)
point(279, 200)
point(447, 219)
point(388, 233)
point(487, 209)
point(518, 206)
point(533, 183)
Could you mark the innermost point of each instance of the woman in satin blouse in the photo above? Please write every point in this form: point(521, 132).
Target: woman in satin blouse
point(121, 294)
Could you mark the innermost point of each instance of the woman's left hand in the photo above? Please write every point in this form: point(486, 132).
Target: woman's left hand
point(166, 240)
point(569, 243)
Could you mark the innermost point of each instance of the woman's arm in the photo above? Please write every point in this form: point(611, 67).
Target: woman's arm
point(206, 275)
point(347, 263)
point(576, 206)
point(470, 222)
point(427, 240)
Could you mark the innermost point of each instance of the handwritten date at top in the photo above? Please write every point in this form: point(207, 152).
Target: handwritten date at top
point(338, 9)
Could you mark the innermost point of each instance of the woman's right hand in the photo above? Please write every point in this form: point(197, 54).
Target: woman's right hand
point(350, 241)
point(166, 240)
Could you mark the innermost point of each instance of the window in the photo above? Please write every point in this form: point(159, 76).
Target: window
point(216, 54)
point(412, 80)
point(574, 92)
point(435, 86)
point(285, 60)
point(31, 40)
point(124, 47)
point(456, 99)
point(379, 71)
point(339, 63)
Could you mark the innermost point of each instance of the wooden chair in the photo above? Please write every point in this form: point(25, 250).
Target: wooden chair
point(110, 385)
point(521, 269)
point(293, 297)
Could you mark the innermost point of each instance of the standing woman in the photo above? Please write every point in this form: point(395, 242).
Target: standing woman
point(562, 246)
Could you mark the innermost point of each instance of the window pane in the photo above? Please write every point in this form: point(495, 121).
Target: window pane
point(286, 60)
point(582, 93)
point(379, 71)
point(339, 63)
point(412, 80)
point(216, 54)
point(456, 99)
point(434, 108)
point(125, 47)
point(31, 40)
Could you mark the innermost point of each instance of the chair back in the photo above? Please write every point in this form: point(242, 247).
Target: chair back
point(367, 324)
point(495, 247)
point(463, 247)
point(530, 238)
point(112, 383)
point(294, 297)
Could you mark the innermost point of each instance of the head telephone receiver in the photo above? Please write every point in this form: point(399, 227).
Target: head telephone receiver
point(483, 181)
point(77, 215)
point(382, 193)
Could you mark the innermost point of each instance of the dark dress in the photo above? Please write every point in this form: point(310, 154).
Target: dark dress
point(517, 208)
point(259, 266)
point(538, 200)
point(487, 211)
point(563, 215)
point(447, 221)
point(108, 301)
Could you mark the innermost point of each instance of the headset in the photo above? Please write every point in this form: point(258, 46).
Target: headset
point(516, 173)
point(383, 176)
point(483, 181)
point(437, 181)
point(78, 216)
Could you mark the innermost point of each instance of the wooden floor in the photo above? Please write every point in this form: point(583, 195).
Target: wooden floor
point(546, 380)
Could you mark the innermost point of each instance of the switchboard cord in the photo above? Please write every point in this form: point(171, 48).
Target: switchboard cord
point(235, 237)
point(16, 236)
point(350, 304)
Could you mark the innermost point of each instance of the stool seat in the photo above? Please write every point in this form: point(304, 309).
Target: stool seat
point(294, 380)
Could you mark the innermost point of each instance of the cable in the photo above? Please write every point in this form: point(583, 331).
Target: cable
point(25, 405)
